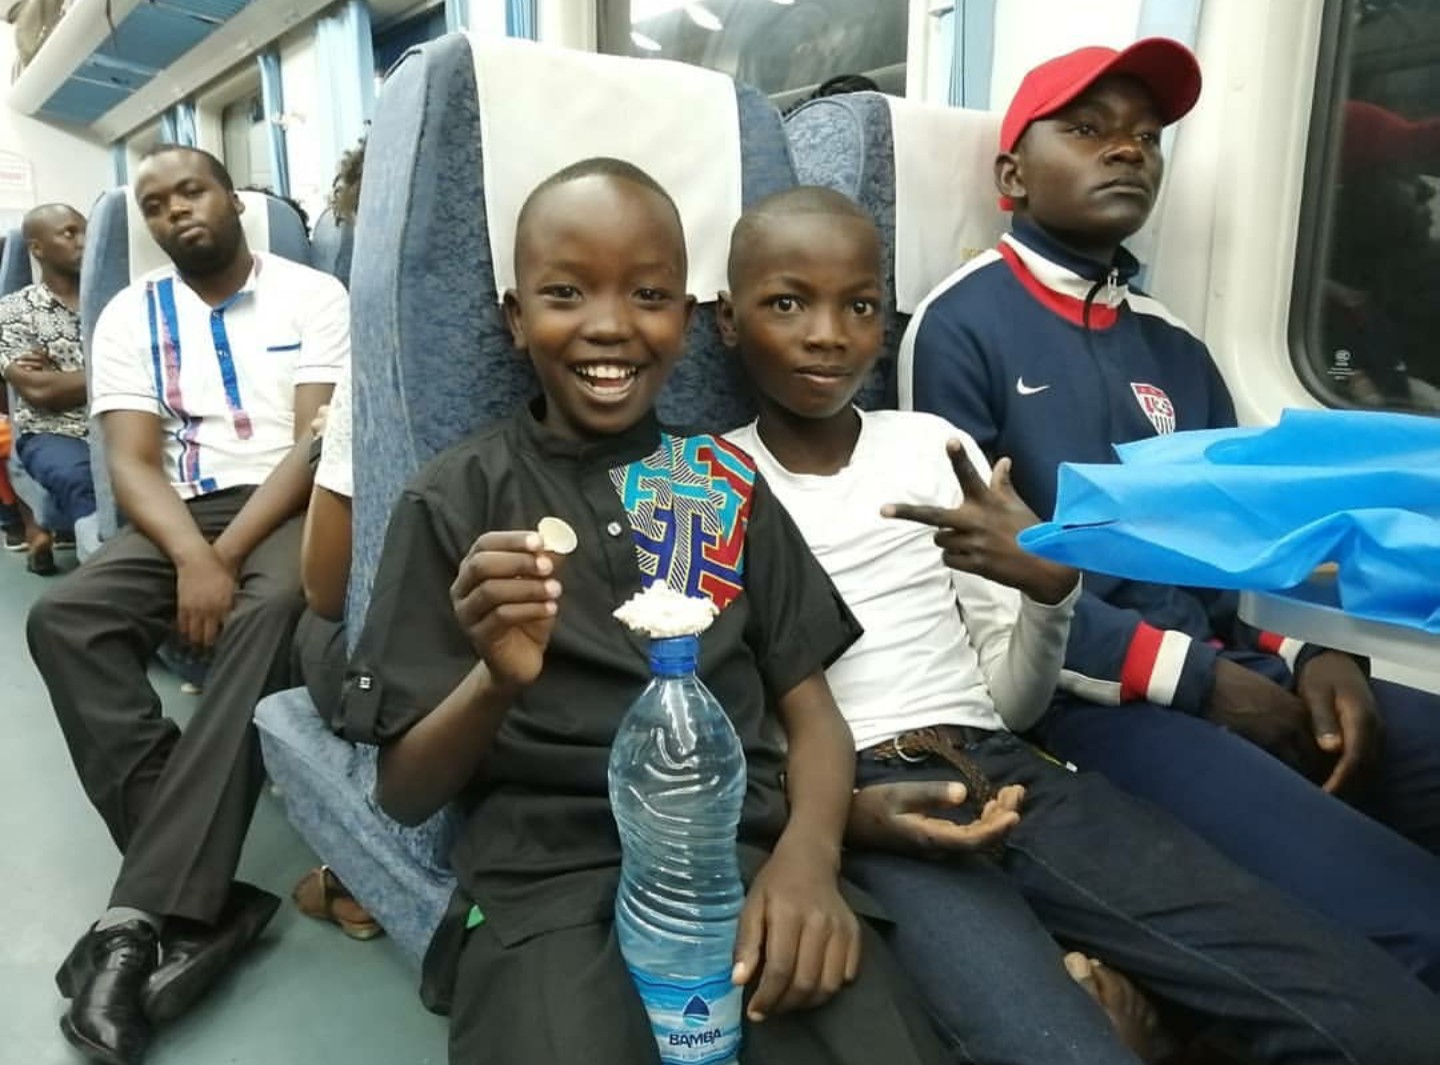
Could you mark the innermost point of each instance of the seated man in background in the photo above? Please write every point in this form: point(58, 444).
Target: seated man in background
point(1273, 750)
point(43, 363)
point(206, 379)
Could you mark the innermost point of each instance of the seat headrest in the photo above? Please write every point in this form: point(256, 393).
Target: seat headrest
point(543, 108)
point(946, 210)
point(924, 171)
point(332, 246)
point(17, 269)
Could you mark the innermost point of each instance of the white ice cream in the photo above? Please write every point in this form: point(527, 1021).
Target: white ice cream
point(660, 612)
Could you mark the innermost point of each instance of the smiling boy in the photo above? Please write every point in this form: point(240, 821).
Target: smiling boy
point(963, 643)
point(1043, 351)
point(495, 680)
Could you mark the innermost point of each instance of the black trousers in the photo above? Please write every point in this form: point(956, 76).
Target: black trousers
point(319, 662)
point(566, 998)
point(178, 804)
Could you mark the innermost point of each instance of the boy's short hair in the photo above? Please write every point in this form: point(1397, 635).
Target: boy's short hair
point(800, 200)
point(596, 166)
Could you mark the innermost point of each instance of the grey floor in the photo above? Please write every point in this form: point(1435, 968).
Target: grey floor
point(306, 995)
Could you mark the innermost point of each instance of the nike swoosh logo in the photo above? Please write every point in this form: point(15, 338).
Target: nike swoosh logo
point(1026, 390)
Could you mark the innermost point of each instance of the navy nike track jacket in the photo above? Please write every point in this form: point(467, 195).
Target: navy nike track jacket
point(1048, 357)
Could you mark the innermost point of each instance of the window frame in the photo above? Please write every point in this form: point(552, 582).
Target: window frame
point(1317, 204)
point(1318, 198)
point(235, 84)
point(612, 37)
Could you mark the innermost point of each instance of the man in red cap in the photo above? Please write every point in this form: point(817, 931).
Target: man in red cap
point(1043, 352)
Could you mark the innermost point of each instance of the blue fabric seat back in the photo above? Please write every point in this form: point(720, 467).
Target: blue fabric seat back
point(14, 264)
point(270, 225)
point(332, 246)
point(433, 357)
point(846, 143)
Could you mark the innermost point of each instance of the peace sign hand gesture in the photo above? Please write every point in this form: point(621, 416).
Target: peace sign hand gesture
point(978, 535)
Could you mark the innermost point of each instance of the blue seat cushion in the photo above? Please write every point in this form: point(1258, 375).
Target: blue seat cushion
point(399, 874)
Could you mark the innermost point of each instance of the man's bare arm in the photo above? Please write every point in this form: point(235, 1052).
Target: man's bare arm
point(284, 493)
point(45, 387)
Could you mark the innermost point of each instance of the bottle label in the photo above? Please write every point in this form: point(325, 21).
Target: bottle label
point(696, 1022)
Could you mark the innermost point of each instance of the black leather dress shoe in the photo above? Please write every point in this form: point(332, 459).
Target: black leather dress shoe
point(195, 955)
point(105, 1021)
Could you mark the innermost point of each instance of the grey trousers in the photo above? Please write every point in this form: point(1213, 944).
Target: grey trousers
point(177, 803)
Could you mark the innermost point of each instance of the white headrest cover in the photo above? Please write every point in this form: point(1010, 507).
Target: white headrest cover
point(946, 207)
point(542, 109)
point(145, 254)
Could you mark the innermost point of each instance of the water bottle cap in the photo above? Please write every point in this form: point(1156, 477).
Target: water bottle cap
point(674, 656)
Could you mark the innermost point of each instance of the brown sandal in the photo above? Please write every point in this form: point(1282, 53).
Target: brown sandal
point(321, 895)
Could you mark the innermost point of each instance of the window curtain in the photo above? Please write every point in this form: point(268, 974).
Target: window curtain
point(972, 54)
point(457, 15)
point(522, 19)
point(184, 112)
point(119, 164)
point(346, 58)
point(272, 95)
point(177, 125)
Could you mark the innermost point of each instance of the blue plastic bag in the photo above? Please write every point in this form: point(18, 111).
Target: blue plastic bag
point(1259, 509)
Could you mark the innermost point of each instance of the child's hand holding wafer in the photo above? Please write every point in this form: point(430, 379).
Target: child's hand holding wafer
point(506, 598)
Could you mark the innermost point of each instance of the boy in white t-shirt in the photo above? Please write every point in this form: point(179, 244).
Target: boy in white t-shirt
point(964, 640)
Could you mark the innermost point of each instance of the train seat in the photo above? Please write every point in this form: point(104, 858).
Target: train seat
point(433, 361)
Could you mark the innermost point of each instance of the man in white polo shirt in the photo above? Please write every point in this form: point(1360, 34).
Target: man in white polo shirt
point(206, 377)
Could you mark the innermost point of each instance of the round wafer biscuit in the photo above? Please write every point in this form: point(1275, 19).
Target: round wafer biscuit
point(556, 536)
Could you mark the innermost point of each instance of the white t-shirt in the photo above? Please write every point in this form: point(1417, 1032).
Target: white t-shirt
point(992, 663)
point(221, 380)
point(335, 471)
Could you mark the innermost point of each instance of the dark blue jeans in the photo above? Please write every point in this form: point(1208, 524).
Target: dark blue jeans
point(1340, 859)
point(61, 466)
point(1120, 880)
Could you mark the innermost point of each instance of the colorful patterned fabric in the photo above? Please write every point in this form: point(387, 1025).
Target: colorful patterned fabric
point(689, 506)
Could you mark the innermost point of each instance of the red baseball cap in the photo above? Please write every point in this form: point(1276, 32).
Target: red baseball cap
point(1167, 68)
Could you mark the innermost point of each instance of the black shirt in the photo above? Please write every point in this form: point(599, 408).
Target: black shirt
point(538, 850)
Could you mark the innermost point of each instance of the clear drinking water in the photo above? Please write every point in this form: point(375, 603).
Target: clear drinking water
point(677, 783)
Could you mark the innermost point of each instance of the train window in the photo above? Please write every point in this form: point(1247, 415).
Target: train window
point(393, 39)
point(783, 47)
point(1365, 320)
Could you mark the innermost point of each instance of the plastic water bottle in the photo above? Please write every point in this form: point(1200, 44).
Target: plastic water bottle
point(677, 783)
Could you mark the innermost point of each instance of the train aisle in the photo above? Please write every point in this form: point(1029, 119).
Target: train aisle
point(305, 994)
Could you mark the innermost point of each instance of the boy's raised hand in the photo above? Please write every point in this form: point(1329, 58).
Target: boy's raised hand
point(978, 535)
point(506, 597)
point(916, 818)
